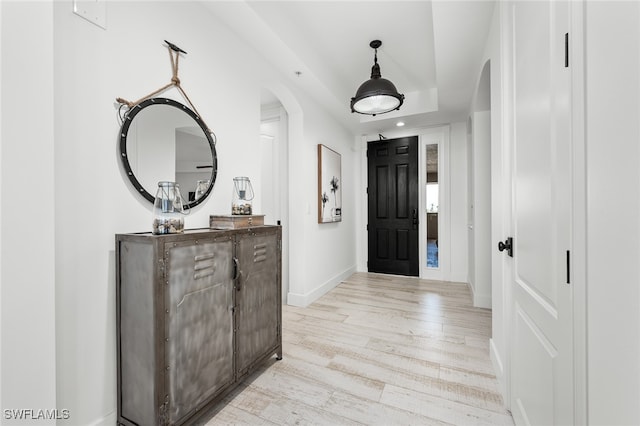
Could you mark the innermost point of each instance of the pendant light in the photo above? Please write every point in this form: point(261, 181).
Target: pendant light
point(376, 95)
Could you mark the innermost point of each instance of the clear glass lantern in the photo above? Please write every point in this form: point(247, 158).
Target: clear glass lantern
point(168, 209)
point(242, 196)
point(201, 188)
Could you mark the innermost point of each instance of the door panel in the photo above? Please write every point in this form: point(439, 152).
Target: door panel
point(200, 322)
point(402, 238)
point(393, 206)
point(257, 285)
point(542, 353)
point(382, 246)
point(382, 192)
point(402, 191)
point(532, 344)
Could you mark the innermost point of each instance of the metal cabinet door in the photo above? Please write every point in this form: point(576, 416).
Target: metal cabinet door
point(257, 298)
point(199, 327)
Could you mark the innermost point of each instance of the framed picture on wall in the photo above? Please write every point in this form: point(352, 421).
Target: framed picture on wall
point(329, 185)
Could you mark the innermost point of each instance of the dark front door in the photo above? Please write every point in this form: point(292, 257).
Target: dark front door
point(393, 206)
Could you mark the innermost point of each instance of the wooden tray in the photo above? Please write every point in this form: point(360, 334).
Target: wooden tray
point(235, 221)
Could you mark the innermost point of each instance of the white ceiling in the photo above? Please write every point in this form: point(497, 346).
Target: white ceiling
point(431, 51)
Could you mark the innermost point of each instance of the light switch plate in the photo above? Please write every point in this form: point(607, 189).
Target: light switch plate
point(94, 11)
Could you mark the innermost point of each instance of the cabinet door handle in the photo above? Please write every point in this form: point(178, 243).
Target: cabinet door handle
point(236, 268)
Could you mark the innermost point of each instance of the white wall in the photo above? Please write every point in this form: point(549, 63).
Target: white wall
point(73, 197)
point(458, 178)
point(613, 209)
point(330, 247)
point(28, 341)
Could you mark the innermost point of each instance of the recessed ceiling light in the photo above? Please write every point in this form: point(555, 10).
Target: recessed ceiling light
point(400, 123)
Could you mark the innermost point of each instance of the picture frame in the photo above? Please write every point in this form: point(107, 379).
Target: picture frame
point(329, 185)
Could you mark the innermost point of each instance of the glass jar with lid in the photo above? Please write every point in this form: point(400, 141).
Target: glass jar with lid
point(168, 209)
point(242, 196)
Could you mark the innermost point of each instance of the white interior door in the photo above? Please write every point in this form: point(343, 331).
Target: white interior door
point(270, 173)
point(471, 278)
point(541, 350)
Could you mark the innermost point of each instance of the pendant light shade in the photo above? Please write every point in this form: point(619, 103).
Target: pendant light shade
point(376, 95)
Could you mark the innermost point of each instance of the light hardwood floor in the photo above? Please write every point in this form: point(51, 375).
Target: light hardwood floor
point(377, 350)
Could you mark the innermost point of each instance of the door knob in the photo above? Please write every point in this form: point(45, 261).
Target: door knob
point(506, 245)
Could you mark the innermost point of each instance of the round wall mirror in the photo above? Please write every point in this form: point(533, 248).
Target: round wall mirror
point(164, 140)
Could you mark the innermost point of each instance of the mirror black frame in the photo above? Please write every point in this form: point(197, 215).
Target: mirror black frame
point(128, 118)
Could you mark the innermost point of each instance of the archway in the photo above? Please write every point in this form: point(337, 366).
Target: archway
point(280, 128)
point(479, 215)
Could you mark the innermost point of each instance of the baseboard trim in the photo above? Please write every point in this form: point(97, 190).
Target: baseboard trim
point(304, 300)
point(498, 367)
point(295, 299)
point(482, 301)
point(479, 300)
point(457, 278)
point(471, 287)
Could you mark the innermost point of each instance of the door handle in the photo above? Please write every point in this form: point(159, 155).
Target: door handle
point(506, 245)
point(236, 272)
point(415, 217)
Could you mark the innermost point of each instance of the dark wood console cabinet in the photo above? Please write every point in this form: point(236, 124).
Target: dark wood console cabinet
point(196, 312)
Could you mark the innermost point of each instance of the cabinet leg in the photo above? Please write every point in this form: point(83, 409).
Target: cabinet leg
point(279, 354)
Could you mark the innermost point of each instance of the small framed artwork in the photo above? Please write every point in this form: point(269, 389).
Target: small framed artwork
point(329, 185)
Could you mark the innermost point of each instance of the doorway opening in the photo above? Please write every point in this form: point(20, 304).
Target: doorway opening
point(274, 172)
point(481, 246)
point(393, 205)
point(438, 138)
